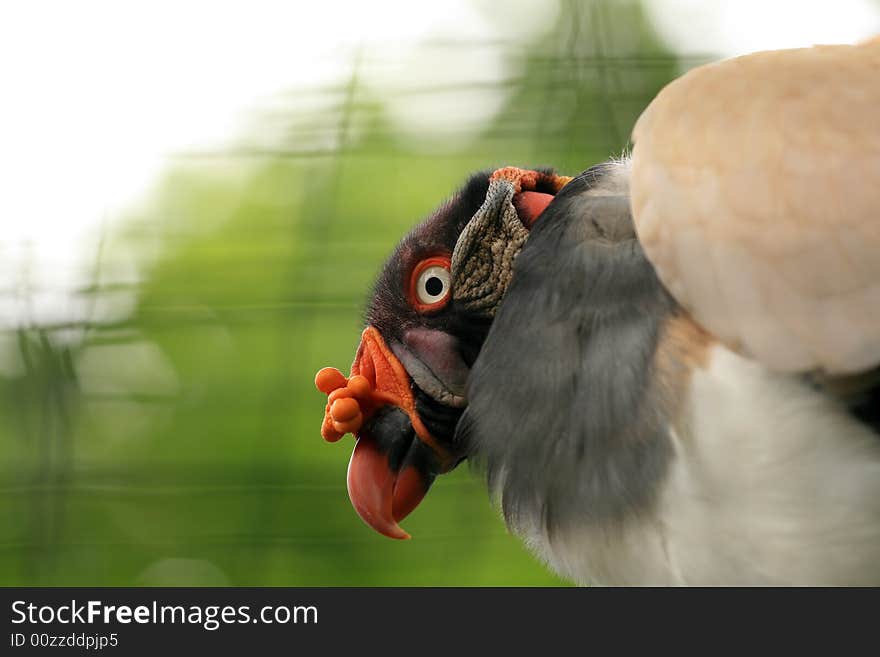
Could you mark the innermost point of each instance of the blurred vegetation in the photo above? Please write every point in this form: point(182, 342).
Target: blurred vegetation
point(172, 437)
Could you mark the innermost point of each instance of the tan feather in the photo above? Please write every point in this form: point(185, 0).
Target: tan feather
point(756, 194)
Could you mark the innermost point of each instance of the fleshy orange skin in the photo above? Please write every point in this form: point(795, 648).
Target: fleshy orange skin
point(343, 412)
point(380, 496)
point(377, 378)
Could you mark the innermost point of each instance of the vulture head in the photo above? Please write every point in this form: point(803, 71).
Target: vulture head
point(427, 319)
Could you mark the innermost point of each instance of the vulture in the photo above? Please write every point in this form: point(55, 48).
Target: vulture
point(667, 366)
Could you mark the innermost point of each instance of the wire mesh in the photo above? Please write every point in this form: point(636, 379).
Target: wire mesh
point(162, 428)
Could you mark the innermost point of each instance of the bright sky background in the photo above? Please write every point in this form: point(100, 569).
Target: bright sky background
point(96, 93)
point(735, 27)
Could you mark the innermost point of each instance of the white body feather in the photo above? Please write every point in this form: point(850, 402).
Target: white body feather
point(772, 484)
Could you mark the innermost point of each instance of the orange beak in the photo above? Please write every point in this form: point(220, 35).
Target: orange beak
point(395, 459)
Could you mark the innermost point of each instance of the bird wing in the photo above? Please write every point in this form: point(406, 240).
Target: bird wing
point(561, 402)
point(627, 446)
point(755, 189)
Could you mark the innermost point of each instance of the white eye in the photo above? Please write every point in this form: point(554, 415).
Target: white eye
point(432, 285)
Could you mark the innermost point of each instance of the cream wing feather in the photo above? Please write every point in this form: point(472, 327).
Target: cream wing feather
point(755, 188)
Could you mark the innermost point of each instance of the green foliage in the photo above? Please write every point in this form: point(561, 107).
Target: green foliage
point(178, 442)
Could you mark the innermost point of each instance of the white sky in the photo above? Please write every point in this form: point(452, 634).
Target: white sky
point(735, 27)
point(94, 93)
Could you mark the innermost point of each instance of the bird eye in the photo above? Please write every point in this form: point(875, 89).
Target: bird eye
point(431, 284)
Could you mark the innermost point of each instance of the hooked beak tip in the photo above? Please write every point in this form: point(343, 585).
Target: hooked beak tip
point(381, 497)
point(395, 458)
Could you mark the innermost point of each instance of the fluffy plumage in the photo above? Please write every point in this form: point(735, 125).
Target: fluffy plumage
point(756, 195)
point(644, 451)
point(655, 394)
point(563, 410)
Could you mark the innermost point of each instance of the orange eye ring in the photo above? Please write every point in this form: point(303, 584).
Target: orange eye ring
point(430, 284)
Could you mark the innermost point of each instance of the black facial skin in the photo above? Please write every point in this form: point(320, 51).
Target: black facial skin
point(391, 313)
point(397, 440)
point(388, 309)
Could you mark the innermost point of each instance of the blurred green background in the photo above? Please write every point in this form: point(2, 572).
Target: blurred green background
point(167, 431)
